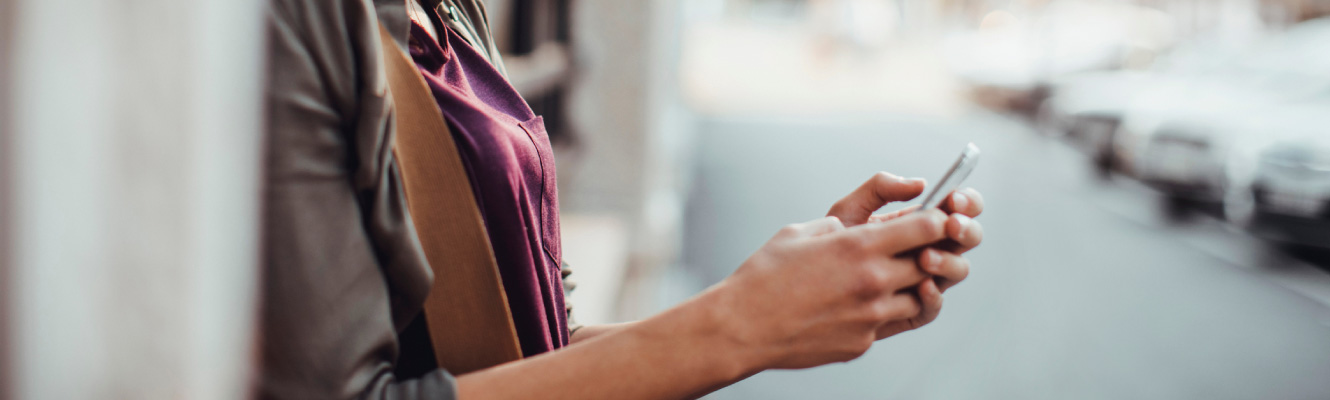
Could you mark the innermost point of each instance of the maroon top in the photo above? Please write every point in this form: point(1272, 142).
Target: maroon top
point(508, 157)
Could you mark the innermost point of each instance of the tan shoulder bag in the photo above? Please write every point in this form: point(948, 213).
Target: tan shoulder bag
point(466, 311)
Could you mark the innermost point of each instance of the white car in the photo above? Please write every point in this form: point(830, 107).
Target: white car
point(1091, 95)
point(1176, 137)
point(1089, 107)
point(1172, 137)
point(1280, 183)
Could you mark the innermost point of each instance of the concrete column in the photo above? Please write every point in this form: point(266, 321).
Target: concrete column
point(6, 168)
point(133, 148)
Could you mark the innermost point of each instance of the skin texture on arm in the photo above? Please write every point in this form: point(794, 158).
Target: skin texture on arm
point(816, 293)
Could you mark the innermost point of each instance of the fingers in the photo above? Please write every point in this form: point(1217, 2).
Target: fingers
point(929, 299)
point(965, 201)
point(820, 226)
point(907, 232)
point(966, 233)
point(876, 279)
point(882, 188)
point(894, 307)
point(892, 215)
point(947, 268)
point(930, 302)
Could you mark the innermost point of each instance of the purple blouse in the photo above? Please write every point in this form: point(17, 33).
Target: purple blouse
point(508, 157)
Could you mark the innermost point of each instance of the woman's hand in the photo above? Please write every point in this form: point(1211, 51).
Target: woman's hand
point(943, 260)
point(819, 292)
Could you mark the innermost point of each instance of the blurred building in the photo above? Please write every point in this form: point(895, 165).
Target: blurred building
point(129, 197)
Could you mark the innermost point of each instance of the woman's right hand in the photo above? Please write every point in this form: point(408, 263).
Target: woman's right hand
point(817, 292)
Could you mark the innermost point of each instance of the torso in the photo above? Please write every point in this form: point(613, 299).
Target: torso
point(507, 154)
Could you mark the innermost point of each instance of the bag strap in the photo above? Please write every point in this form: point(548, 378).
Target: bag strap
point(466, 311)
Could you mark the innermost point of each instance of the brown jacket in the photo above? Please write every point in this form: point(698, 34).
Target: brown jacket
point(343, 272)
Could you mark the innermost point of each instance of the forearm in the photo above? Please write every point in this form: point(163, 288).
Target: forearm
point(680, 353)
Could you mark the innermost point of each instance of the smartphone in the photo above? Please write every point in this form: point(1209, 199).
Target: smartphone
point(953, 178)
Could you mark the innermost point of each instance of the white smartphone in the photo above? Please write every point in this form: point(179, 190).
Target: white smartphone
point(953, 178)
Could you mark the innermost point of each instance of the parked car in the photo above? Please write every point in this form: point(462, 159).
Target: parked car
point(1088, 108)
point(1077, 101)
point(1175, 137)
point(1172, 137)
point(1281, 188)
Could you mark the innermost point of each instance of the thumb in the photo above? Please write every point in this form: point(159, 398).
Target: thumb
point(878, 191)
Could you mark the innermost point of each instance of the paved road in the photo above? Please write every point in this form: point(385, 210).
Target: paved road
point(1082, 289)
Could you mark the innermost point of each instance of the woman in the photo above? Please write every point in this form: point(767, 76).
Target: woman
point(344, 276)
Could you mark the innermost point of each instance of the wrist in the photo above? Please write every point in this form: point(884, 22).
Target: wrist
point(713, 326)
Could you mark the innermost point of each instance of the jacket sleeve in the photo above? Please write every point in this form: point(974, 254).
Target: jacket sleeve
point(342, 270)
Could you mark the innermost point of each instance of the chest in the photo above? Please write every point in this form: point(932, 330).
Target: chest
point(503, 144)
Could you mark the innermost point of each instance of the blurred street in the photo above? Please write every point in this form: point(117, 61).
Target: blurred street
point(1084, 288)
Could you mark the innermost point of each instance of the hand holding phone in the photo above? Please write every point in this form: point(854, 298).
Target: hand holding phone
point(953, 178)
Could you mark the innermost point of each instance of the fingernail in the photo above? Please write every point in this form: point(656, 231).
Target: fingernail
point(959, 202)
point(918, 180)
point(964, 221)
